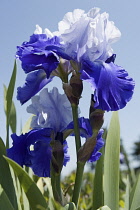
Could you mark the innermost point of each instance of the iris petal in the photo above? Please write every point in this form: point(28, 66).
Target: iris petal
point(19, 151)
point(99, 144)
point(84, 125)
point(35, 81)
point(112, 86)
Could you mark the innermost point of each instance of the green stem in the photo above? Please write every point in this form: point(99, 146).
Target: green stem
point(76, 126)
point(80, 165)
point(78, 182)
point(56, 186)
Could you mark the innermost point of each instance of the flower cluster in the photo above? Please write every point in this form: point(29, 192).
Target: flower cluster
point(81, 47)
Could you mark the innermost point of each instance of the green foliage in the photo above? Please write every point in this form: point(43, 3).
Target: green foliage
point(4, 200)
point(9, 106)
point(33, 194)
point(111, 164)
point(104, 188)
point(6, 181)
point(98, 194)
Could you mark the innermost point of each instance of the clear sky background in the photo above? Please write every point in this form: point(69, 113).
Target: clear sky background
point(17, 22)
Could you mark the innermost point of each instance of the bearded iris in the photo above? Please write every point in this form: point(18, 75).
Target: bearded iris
point(85, 39)
point(88, 34)
point(39, 57)
point(35, 148)
point(91, 49)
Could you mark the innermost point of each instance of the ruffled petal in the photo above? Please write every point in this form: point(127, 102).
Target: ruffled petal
point(99, 144)
point(41, 52)
point(112, 86)
point(94, 34)
point(35, 81)
point(19, 152)
point(51, 109)
point(47, 61)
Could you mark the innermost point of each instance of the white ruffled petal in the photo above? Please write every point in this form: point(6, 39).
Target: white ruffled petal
point(38, 30)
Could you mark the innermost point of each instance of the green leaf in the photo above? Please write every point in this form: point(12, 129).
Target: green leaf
point(12, 117)
point(138, 208)
point(5, 177)
point(9, 106)
point(4, 201)
point(31, 190)
point(111, 164)
point(104, 208)
point(27, 125)
point(136, 195)
point(98, 183)
point(10, 89)
point(70, 206)
point(126, 201)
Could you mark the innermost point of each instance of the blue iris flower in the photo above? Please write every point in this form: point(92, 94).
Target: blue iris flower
point(33, 149)
point(86, 132)
point(39, 57)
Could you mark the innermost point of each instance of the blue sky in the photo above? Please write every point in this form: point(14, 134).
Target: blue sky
point(17, 22)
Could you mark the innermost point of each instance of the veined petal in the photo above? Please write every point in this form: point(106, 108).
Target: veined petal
point(112, 86)
point(48, 61)
point(19, 152)
point(41, 52)
point(94, 34)
point(35, 81)
point(51, 109)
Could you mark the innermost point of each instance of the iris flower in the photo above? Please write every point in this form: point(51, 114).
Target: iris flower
point(90, 34)
point(88, 38)
point(39, 57)
point(52, 112)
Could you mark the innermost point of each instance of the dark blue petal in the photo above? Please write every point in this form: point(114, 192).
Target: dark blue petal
point(66, 156)
point(18, 152)
point(84, 125)
point(35, 81)
point(41, 53)
point(37, 158)
point(41, 157)
point(48, 61)
point(112, 86)
point(99, 144)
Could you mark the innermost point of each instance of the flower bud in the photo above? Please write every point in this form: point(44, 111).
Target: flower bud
point(57, 152)
point(96, 117)
point(86, 150)
point(74, 89)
